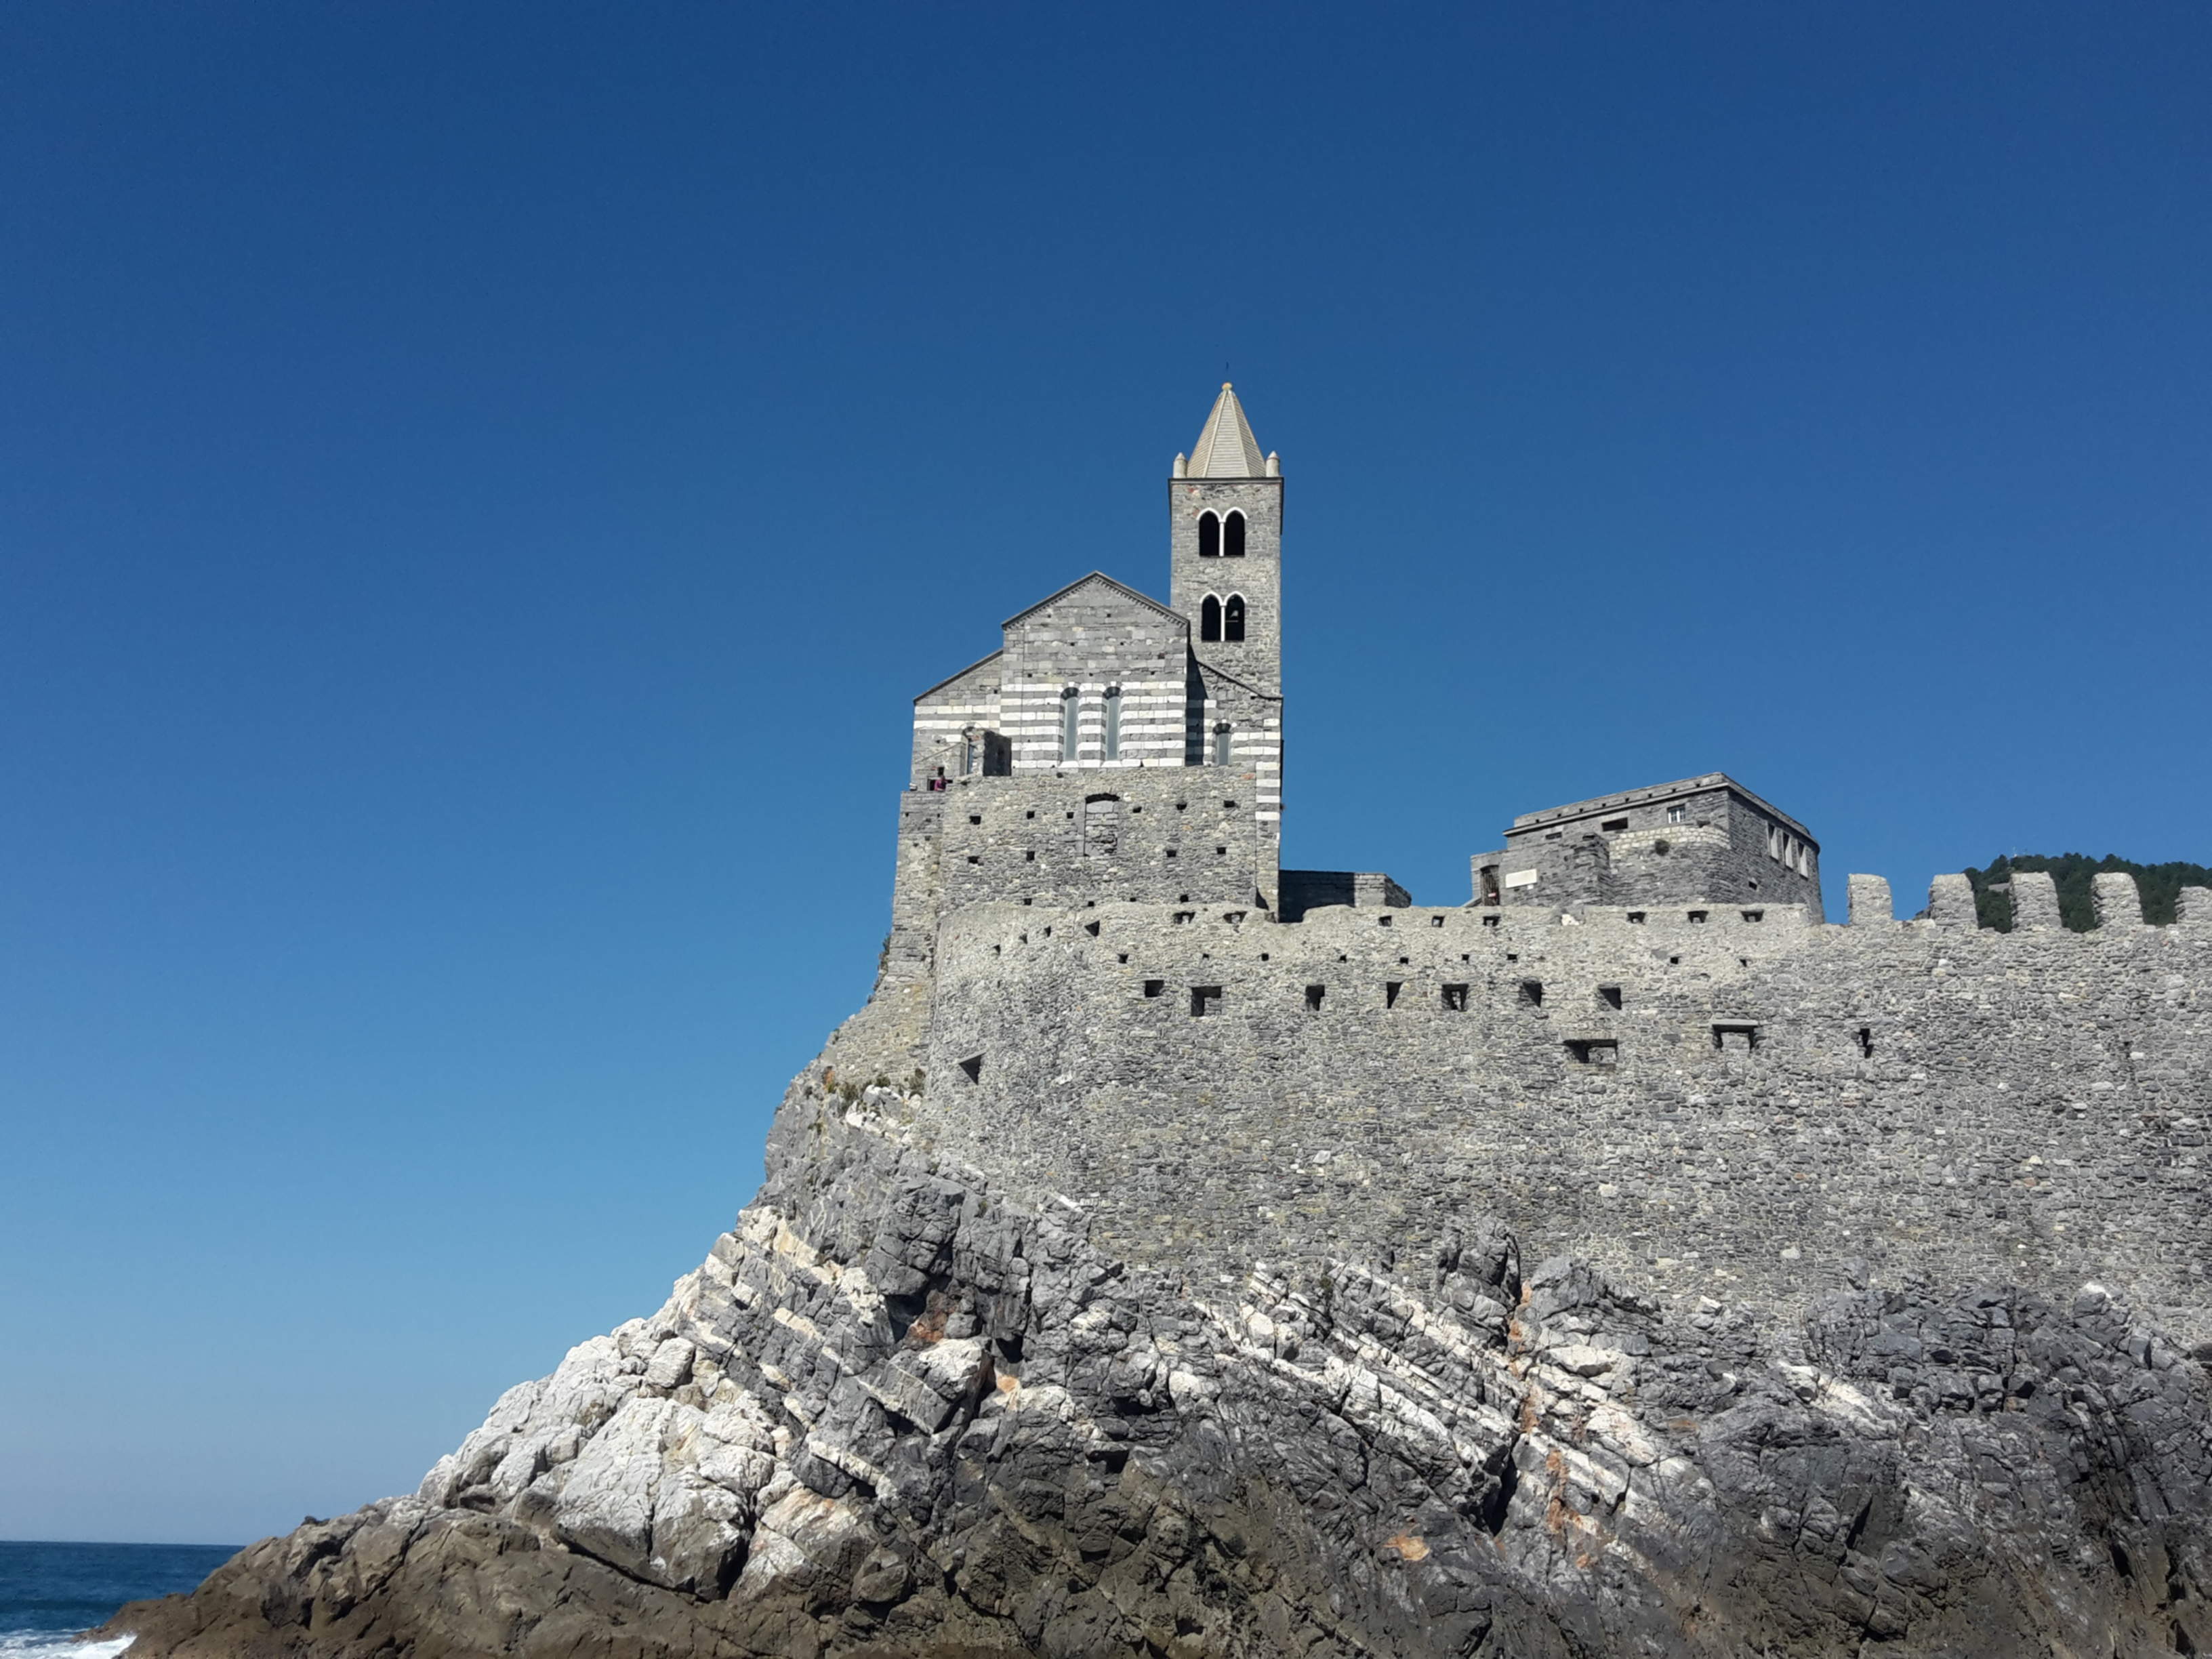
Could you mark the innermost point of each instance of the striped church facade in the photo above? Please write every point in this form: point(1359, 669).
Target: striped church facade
point(1102, 704)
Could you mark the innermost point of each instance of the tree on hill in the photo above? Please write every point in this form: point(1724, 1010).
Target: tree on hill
point(2160, 884)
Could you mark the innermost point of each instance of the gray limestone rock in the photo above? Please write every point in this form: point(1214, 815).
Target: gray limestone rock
point(900, 1410)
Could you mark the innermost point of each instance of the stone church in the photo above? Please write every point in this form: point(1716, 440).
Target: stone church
point(1117, 750)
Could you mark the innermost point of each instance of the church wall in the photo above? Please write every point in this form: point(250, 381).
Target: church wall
point(970, 699)
point(1091, 638)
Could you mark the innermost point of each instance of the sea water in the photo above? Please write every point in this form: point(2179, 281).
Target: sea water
point(49, 1592)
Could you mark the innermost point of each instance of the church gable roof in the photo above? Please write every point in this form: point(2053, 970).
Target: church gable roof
point(1101, 579)
point(1226, 448)
point(951, 679)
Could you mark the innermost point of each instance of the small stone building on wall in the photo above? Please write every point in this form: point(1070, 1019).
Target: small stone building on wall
point(1702, 838)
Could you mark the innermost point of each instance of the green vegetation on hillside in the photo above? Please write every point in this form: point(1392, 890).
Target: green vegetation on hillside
point(2160, 884)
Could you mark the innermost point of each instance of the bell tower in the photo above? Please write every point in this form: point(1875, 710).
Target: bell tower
point(1226, 548)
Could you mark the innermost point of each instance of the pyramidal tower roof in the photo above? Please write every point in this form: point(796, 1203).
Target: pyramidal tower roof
point(1226, 448)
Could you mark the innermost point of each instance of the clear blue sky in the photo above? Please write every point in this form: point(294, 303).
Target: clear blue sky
point(479, 485)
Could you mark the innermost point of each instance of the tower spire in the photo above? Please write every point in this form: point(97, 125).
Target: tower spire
point(1226, 448)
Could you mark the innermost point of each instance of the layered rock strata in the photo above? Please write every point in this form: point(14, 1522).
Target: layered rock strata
point(899, 1410)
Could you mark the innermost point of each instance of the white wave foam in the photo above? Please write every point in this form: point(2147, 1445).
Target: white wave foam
point(42, 1644)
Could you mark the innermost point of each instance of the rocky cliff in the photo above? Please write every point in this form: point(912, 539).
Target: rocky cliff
point(901, 1410)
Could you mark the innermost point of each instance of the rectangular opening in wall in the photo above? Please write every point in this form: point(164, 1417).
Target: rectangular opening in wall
point(975, 817)
point(1390, 989)
point(1866, 1042)
point(1205, 1000)
point(1182, 916)
point(1636, 916)
point(1028, 857)
point(1171, 852)
point(972, 1068)
point(1456, 999)
point(1697, 915)
point(1092, 928)
point(1754, 916)
point(1592, 1051)
point(1314, 995)
point(1613, 824)
point(1531, 993)
point(1154, 987)
point(1489, 922)
point(1609, 995)
point(975, 857)
point(1736, 1036)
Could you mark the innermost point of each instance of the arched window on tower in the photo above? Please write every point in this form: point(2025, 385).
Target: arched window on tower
point(1209, 619)
point(1209, 535)
point(1070, 707)
point(1233, 539)
point(1221, 743)
point(1112, 722)
point(1232, 617)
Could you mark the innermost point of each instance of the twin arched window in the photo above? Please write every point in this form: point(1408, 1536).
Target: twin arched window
point(1221, 619)
point(1219, 537)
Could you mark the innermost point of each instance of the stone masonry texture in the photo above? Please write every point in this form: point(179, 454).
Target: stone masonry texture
point(1177, 1258)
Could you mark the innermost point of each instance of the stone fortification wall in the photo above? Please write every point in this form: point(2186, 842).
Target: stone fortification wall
point(1766, 1108)
point(1166, 837)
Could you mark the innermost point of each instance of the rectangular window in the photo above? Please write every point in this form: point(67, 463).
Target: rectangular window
point(1154, 987)
point(1532, 993)
point(1205, 1000)
point(1636, 915)
point(1592, 1051)
point(1314, 994)
point(1678, 814)
point(1456, 999)
point(1609, 995)
point(1613, 824)
point(1071, 708)
point(1697, 915)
